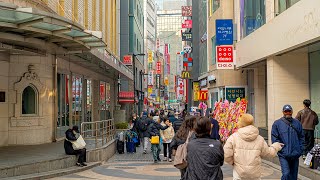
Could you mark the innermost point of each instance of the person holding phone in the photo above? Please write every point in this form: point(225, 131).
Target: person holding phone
point(244, 149)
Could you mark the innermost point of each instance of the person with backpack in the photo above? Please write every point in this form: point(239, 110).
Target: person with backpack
point(288, 131)
point(143, 124)
point(185, 131)
point(309, 120)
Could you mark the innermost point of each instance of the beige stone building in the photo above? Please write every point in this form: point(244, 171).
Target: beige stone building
point(219, 80)
point(278, 43)
point(59, 67)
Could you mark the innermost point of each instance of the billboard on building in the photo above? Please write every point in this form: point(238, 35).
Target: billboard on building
point(225, 59)
point(186, 36)
point(186, 10)
point(127, 60)
point(224, 32)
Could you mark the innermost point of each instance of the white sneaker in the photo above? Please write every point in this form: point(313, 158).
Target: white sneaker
point(165, 158)
point(170, 160)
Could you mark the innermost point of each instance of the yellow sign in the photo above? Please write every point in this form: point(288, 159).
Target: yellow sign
point(196, 91)
point(166, 81)
point(158, 98)
point(150, 90)
point(185, 75)
point(150, 56)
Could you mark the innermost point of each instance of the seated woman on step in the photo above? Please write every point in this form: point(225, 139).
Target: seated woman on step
point(72, 135)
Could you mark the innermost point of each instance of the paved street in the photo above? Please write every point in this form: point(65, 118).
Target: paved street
point(140, 166)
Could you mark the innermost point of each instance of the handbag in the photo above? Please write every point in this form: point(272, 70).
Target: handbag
point(155, 140)
point(78, 144)
point(180, 160)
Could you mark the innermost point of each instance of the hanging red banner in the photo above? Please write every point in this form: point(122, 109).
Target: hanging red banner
point(158, 67)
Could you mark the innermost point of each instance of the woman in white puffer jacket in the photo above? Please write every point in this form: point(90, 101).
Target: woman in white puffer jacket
point(244, 149)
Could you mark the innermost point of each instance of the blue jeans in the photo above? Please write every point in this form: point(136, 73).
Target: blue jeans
point(289, 168)
point(155, 148)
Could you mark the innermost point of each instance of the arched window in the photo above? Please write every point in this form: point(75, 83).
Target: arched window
point(29, 101)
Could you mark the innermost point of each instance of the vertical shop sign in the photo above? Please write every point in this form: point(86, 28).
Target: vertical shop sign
point(150, 78)
point(158, 67)
point(224, 32)
point(149, 90)
point(180, 88)
point(179, 63)
point(187, 24)
point(224, 57)
point(158, 76)
point(196, 91)
point(150, 56)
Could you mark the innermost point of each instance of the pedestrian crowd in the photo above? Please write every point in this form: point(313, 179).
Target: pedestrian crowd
point(193, 144)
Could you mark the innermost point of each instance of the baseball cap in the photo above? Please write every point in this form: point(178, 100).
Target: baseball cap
point(287, 107)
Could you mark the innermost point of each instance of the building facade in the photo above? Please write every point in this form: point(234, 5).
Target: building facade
point(132, 42)
point(59, 67)
point(150, 37)
point(281, 49)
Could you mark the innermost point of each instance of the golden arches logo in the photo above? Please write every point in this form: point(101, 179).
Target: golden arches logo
point(203, 95)
point(185, 75)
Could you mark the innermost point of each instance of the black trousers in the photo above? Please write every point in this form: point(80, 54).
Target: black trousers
point(82, 155)
point(308, 140)
point(166, 146)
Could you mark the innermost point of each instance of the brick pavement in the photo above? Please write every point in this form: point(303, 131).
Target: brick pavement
point(139, 166)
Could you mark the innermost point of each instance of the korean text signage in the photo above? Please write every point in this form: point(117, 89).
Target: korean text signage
point(186, 10)
point(187, 24)
point(158, 81)
point(158, 67)
point(180, 88)
point(186, 36)
point(224, 57)
point(203, 95)
point(224, 32)
point(127, 60)
point(150, 78)
point(179, 63)
point(232, 93)
point(196, 91)
point(150, 56)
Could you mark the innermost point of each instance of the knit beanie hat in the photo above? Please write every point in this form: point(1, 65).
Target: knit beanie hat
point(245, 120)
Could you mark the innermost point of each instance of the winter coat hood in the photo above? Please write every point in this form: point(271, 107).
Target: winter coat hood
point(248, 133)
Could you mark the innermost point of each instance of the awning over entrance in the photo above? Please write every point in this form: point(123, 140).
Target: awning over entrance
point(26, 29)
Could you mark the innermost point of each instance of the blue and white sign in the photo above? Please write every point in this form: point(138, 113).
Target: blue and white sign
point(224, 32)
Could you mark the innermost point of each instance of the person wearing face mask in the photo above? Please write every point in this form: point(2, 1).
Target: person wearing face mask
point(72, 135)
point(288, 131)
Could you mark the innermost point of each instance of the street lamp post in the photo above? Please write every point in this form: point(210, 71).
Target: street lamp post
point(134, 78)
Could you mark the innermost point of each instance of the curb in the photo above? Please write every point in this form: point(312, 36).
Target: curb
point(55, 173)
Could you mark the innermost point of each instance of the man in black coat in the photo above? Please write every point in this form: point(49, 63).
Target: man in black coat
point(72, 135)
point(143, 124)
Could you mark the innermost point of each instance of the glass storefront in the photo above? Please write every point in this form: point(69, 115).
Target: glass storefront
point(252, 16)
point(63, 104)
point(315, 83)
point(77, 100)
point(104, 101)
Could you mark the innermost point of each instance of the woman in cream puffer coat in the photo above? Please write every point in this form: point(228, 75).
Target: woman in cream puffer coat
point(244, 149)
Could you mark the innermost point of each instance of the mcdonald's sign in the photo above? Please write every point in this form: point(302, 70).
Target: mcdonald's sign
point(185, 75)
point(203, 96)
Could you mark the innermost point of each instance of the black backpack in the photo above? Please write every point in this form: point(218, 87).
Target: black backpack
point(143, 124)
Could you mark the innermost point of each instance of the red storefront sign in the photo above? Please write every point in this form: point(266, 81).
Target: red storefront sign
point(203, 95)
point(126, 94)
point(187, 24)
point(158, 67)
point(224, 57)
point(127, 60)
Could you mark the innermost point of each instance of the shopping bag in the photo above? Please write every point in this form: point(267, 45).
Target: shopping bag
point(180, 158)
point(135, 140)
point(78, 144)
point(155, 140)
